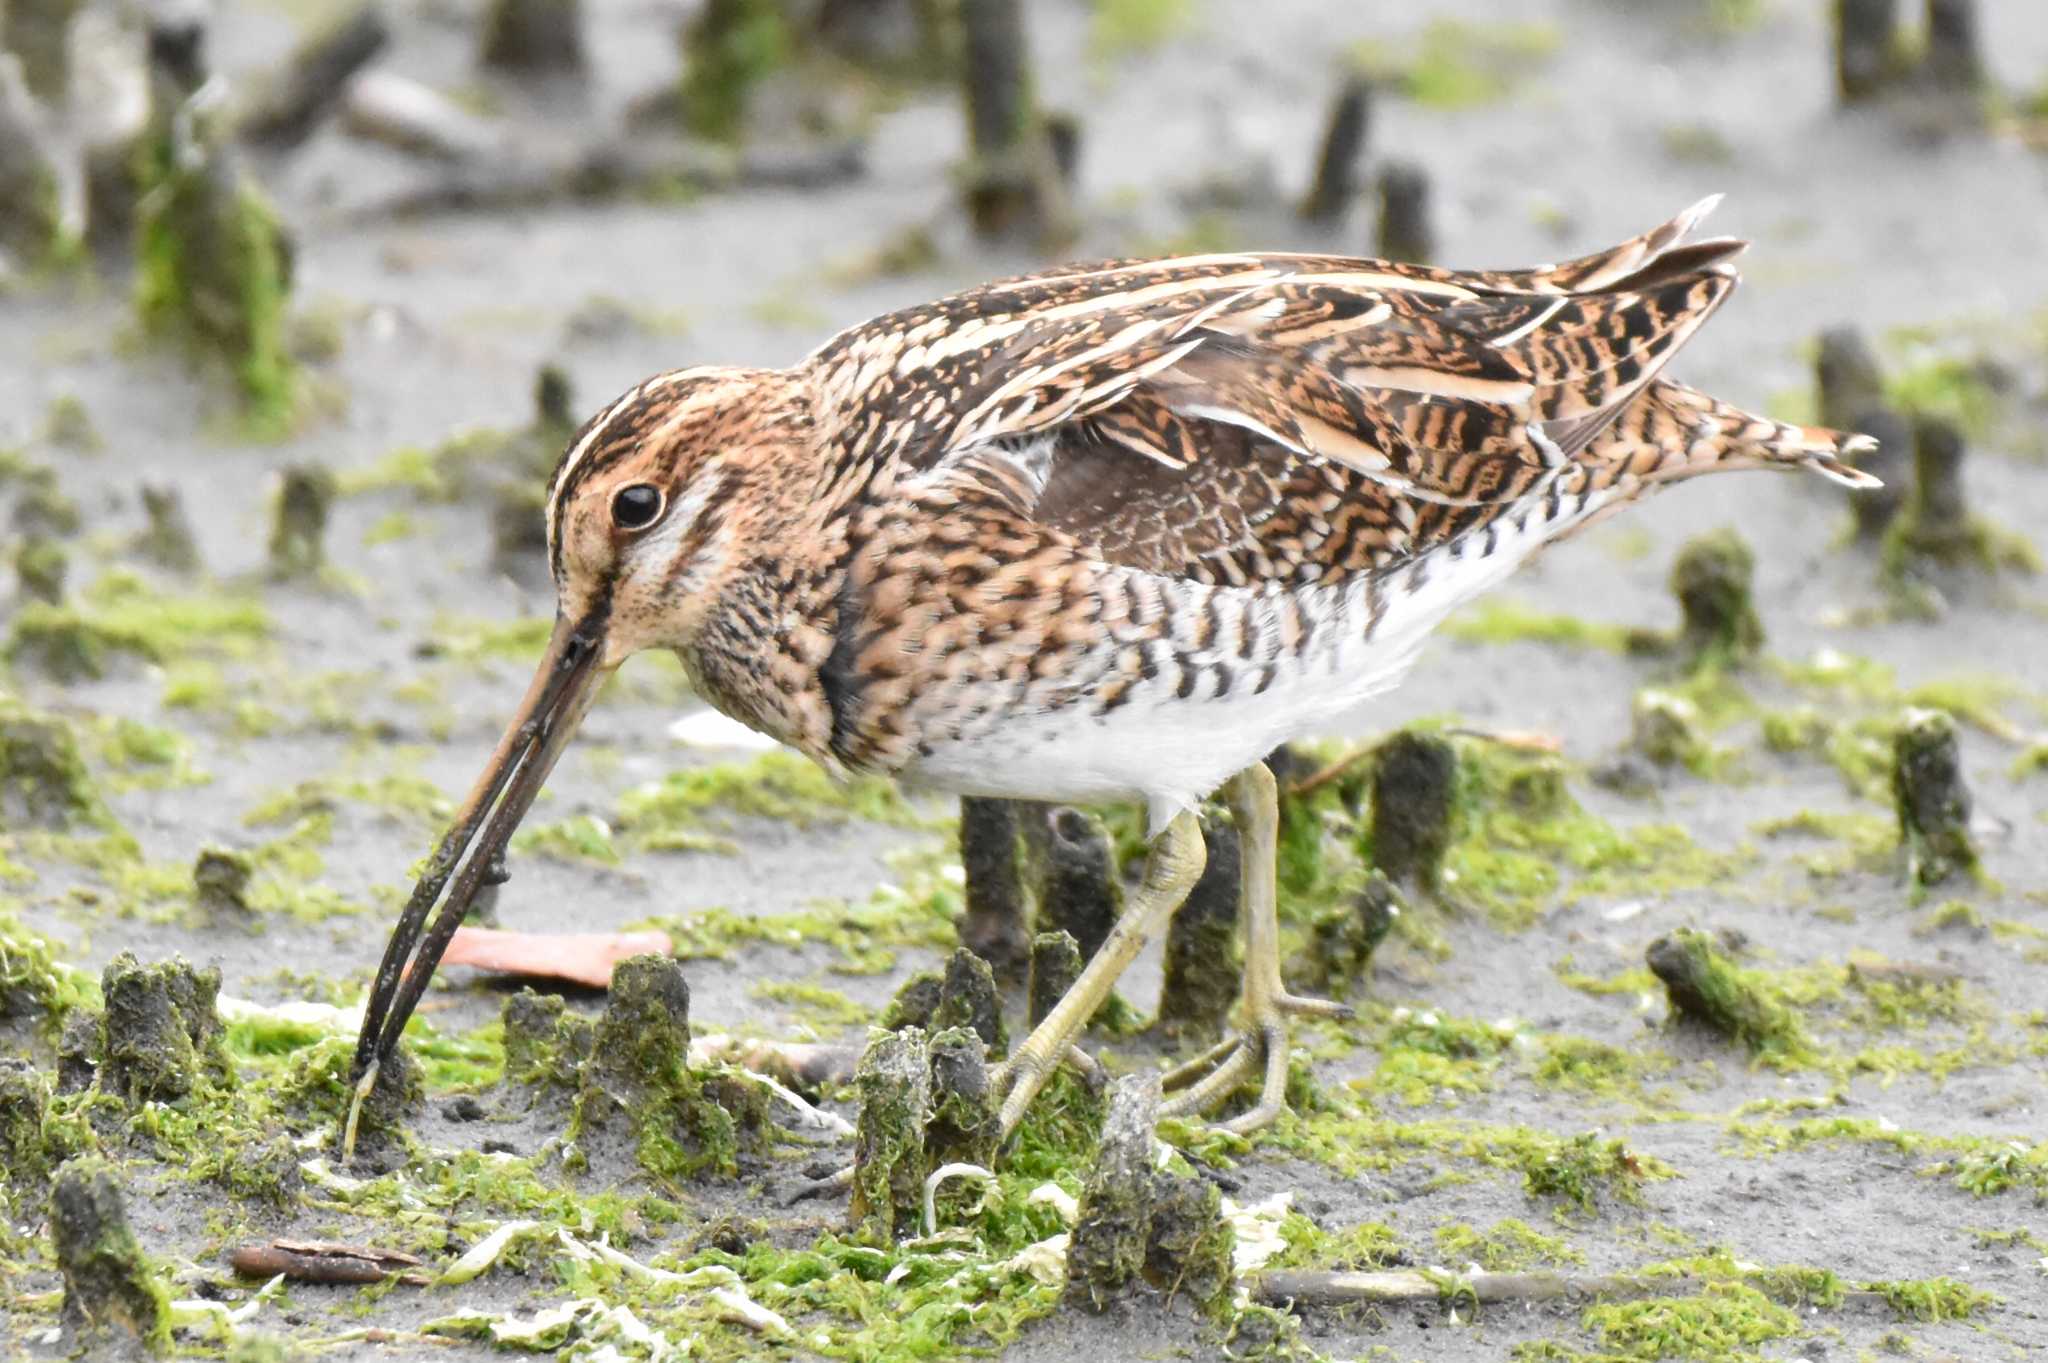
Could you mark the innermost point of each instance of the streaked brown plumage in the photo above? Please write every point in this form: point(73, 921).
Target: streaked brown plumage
point(1113, 531)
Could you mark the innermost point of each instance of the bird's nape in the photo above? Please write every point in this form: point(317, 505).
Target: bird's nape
point(567, 680)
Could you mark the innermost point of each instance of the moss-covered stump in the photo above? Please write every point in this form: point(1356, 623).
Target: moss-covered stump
point(890, 1163)
point(33, 230)
point(916, 1002)
point(964, 1126)
point(1414, 806)
point(220, 886)
point(37, 32)
point(518, 521)
point(1335, 186)
point(1869, 58)
point(298, 521)
point(728, 50)
point(968, 998)
point(1953, 63)
point(1345, 935)
point(399, 1094)
point(1931, 798)
point(213, 267)
point(638, 1079)
point(1141, 1227)
point(112, 1301)
point(1404, 233)
point(1079, 892)
point(1055, 965)
point(914, 40)
point(24, 1155)
point(41, 508)
point(1012, 178)
point(43, 779)
point(534, 37)
point(1935, 523)
point(1666, 728)
point(40, 567)
point(997, 923)
point(1202, 959)
point(1705, 987)
point(1874, 509)
point(545, 1043)
point(1846, 377)
point(167, 539)
point(1713, 579)
point(78, 1049)
point(160, 1037)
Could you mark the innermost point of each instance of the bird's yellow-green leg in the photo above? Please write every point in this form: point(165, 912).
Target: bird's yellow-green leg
point(1171, 870)
point(1265, 1005)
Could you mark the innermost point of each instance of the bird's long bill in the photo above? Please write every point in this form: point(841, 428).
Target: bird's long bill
point(563, 688)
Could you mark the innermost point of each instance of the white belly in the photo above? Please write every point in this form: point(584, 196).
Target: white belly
point(1171, 751)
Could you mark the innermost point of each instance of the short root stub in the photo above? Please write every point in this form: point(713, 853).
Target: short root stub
point(1868, 54)
point(534, 36)
point(1142, 1227)
point(968, 998)
point(44, 782)
point(167, 540)
point(1202, 959)
point(890, 1163)
point(1079, 890)
point(996, 924)
point(637, 1078)
point(24, 1100)
point(1713, 579)
point(1665, 727)
point(544, 1041)
point(1341, 153)
point(1706, 987)
point(1055, 965)
point(1846, 373)
point(1875, 508)
point(1931, 798)
point(160, 1037)
point(1346, 935)
point(964, 1128)
point(1405, 233)
point(109, 1289)
point(220, 886)
point(916, 1002)
point(1414, 807)
point(298, 528)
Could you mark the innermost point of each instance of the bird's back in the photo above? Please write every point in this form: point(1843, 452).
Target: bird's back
point(1121, 528)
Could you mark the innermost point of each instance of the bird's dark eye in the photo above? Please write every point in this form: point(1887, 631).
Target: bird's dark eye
point(635, 507)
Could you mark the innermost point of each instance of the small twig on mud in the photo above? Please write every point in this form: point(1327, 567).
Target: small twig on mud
point(1522, 740)
point(291, 107)
point(1315, 781)
point(819, 1187)
point(1409, 1286)
point(324, 1261)
point(810, 1120)
point(795, 1063)
point(520, 175)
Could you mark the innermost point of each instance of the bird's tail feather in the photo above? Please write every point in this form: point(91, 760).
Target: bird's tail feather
point(1672, 432)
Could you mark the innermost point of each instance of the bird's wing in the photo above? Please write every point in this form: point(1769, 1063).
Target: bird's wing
point(1205, 392)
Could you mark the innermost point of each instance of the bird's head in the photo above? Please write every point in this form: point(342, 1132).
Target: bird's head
point(649, 513)
point(652, 507)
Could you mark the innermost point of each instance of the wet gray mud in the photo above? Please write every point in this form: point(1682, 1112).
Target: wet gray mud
point(323, 724)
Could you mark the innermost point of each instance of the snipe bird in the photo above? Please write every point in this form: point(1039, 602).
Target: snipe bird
point(1111, 532)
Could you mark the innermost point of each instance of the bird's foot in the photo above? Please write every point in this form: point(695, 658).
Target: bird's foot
point(1261, 1042)
point(1018, 1080)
